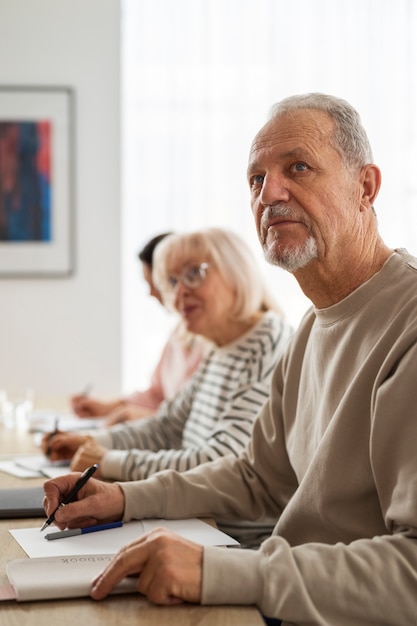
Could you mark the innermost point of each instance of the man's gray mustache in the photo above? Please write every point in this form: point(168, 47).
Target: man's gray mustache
point(273, 211)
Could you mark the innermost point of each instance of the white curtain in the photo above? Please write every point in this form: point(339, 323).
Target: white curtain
point(199, 77)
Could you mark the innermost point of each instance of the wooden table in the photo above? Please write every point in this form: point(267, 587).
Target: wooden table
point(127, 610)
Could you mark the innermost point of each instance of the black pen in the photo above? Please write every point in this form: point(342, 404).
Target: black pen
point(72, 494)
point(86, 391)
point(52, 434)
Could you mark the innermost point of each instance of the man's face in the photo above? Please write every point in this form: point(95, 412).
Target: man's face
point(303, 196)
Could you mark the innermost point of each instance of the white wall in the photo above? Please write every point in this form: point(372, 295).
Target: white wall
point(57, 335)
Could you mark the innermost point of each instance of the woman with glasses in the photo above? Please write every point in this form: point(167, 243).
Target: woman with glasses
point(212, 280)
point(179, 359)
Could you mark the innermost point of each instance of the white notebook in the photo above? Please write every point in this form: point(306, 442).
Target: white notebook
point(71, 564)
point(57, 577)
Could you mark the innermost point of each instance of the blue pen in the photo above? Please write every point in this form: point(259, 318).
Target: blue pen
point(73, 532)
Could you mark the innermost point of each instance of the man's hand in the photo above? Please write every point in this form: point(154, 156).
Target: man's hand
point(97, 502)
point(169, 569)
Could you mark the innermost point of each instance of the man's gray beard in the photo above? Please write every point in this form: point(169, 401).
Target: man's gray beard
point(292, 260)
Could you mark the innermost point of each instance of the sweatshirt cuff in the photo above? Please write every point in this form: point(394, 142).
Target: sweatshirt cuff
point(143, 499)
point(112, 463)
point(102, 437)
point(231, 576)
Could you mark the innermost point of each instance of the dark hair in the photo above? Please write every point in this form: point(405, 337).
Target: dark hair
point(146, 254)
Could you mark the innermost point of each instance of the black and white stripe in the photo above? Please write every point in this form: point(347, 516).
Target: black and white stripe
point(214, 414)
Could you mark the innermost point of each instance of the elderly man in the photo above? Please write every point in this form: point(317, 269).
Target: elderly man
point(332, 454)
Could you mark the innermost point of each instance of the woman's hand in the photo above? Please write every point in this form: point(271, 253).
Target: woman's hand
point(84, 406)
point(88, 454)
point(62, 446)
point(169, 568)
point(97, 502)
point(127, 413)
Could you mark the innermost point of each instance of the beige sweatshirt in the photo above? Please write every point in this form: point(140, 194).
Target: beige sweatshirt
point(334, 457)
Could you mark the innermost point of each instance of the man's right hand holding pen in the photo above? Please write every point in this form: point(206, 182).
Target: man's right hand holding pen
point(169, 567)
point(97, 502)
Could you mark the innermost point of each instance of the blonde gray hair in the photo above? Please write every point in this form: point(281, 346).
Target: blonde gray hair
point(230, 255)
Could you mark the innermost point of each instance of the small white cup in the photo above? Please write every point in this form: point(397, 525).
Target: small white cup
point(15, 411)
point(6, 410)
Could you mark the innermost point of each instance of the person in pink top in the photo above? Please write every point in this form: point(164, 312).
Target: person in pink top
point(179, 359)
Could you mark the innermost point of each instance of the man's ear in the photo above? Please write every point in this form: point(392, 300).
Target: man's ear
point(370, 179)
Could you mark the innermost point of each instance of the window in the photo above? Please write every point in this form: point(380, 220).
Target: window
point(199, 77)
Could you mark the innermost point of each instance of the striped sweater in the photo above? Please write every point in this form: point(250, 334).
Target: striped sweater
point(212, 416)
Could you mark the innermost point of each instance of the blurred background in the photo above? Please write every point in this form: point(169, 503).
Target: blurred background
point(168, 96)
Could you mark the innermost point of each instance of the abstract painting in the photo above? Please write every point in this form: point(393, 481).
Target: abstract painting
point(36, 199)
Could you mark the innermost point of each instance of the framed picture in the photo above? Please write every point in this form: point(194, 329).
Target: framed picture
point(36, 186)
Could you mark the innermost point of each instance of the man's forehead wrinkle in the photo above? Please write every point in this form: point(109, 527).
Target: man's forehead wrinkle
point(298, 124)
point(289, 139)
point(265, 144)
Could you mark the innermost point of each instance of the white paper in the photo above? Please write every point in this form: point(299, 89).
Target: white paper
point(44, 421)
point(36, 466)
point(53, 471)
point(10, 467)
point(110, 541)
point(44, 467)
point(193, 530)
point(38, 462)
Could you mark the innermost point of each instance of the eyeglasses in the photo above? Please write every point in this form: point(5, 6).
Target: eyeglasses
point(191, 276)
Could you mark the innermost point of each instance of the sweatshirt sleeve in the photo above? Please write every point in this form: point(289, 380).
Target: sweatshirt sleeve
point(313, 583)
point(370, 580)
point(317, 583)
point(153, 445)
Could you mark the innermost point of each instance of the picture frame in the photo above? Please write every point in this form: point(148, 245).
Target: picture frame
point(36, 182)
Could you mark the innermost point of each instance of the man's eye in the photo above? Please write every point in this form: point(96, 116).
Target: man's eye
point(256, 180)
point(300, 167)
point(172, 282)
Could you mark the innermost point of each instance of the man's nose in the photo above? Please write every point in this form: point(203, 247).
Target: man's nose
point(274, 190)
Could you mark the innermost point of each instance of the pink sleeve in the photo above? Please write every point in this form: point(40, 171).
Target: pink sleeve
point(177, 364)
